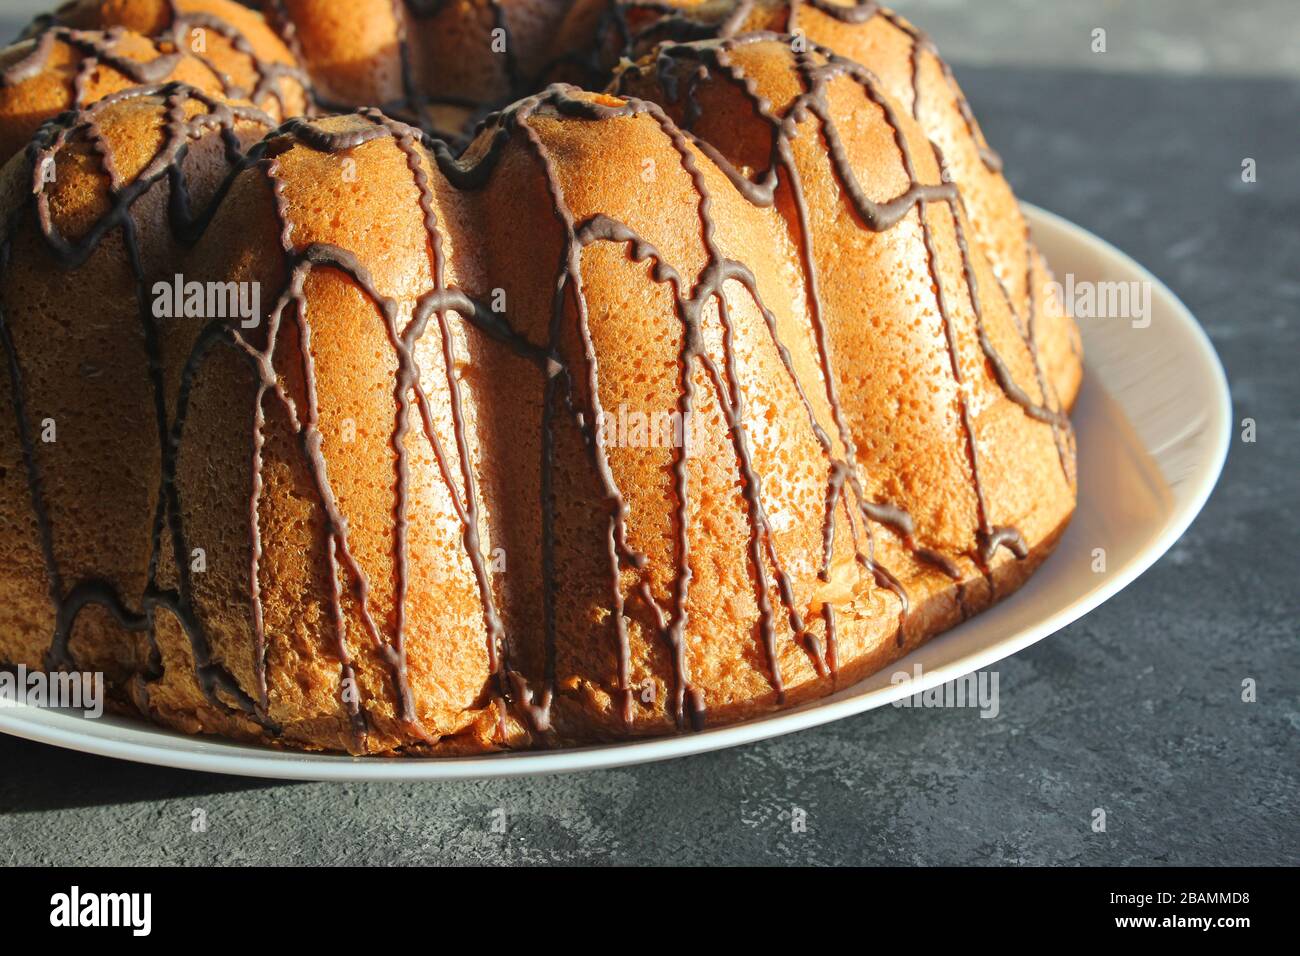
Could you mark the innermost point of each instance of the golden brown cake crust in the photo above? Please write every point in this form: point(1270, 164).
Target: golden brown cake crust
point(678, 403)
point(89, 49)
point(910, 71)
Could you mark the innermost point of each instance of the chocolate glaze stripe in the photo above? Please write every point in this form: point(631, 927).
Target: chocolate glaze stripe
point(261, 361)
point(102, 591)
point(95, 48)
point(347, 671)
point(311, 440)
point(882, 216)
point(690, 311)
point(877, 216)
point(559, 100)
point(686, 696)
point(1001, 372)
point(255, 545)
point(989, 538)
point(180, 214)
point(921, 45)
point(309, 443)
point(762, 548)
point(180, 602)
point(1064, 436)
point(408, 383)
point(1055, 417)
point(406, 380)
point(729, 395)
point(763, 193)
point(785, 130)
point(440, 300)
point(783, 157)
point(569, 271)
point(186, 226)
point(709, 285)
point(468, 513)
point(56, 134)
point(603, 228)
point(570, 274)
point(860, 12)
point(677, 25)
point(268, 73)
point(213, 679)
point(950, 338)
point(671, 23)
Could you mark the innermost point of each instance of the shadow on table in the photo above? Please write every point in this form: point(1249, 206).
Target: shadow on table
point(39, 777)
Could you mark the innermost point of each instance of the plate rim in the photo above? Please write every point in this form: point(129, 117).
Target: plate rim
point(159, 746)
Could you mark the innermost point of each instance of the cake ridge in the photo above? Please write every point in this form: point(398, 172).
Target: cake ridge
point(268, 72)
point(97, 45)
point(53, 136)
point(876, 216)
point(679, 21)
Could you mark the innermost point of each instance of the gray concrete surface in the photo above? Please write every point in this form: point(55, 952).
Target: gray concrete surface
point(1239, 37)
point(1135, 709)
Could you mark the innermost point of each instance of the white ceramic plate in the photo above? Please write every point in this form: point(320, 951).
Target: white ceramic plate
point(1153, 421)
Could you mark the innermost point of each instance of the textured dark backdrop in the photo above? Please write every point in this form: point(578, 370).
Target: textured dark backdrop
point(1135, 709)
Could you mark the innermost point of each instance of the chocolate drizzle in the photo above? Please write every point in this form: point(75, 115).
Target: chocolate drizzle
point(667, 613)
point(668, 22)
point(269, 74)
point(98, 47)
point(217, 683)
point(633, 27)
point(95, 47)
point(558, 398)
point(714, 57)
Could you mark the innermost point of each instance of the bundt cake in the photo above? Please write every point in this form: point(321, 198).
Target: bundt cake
point(622, 413)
